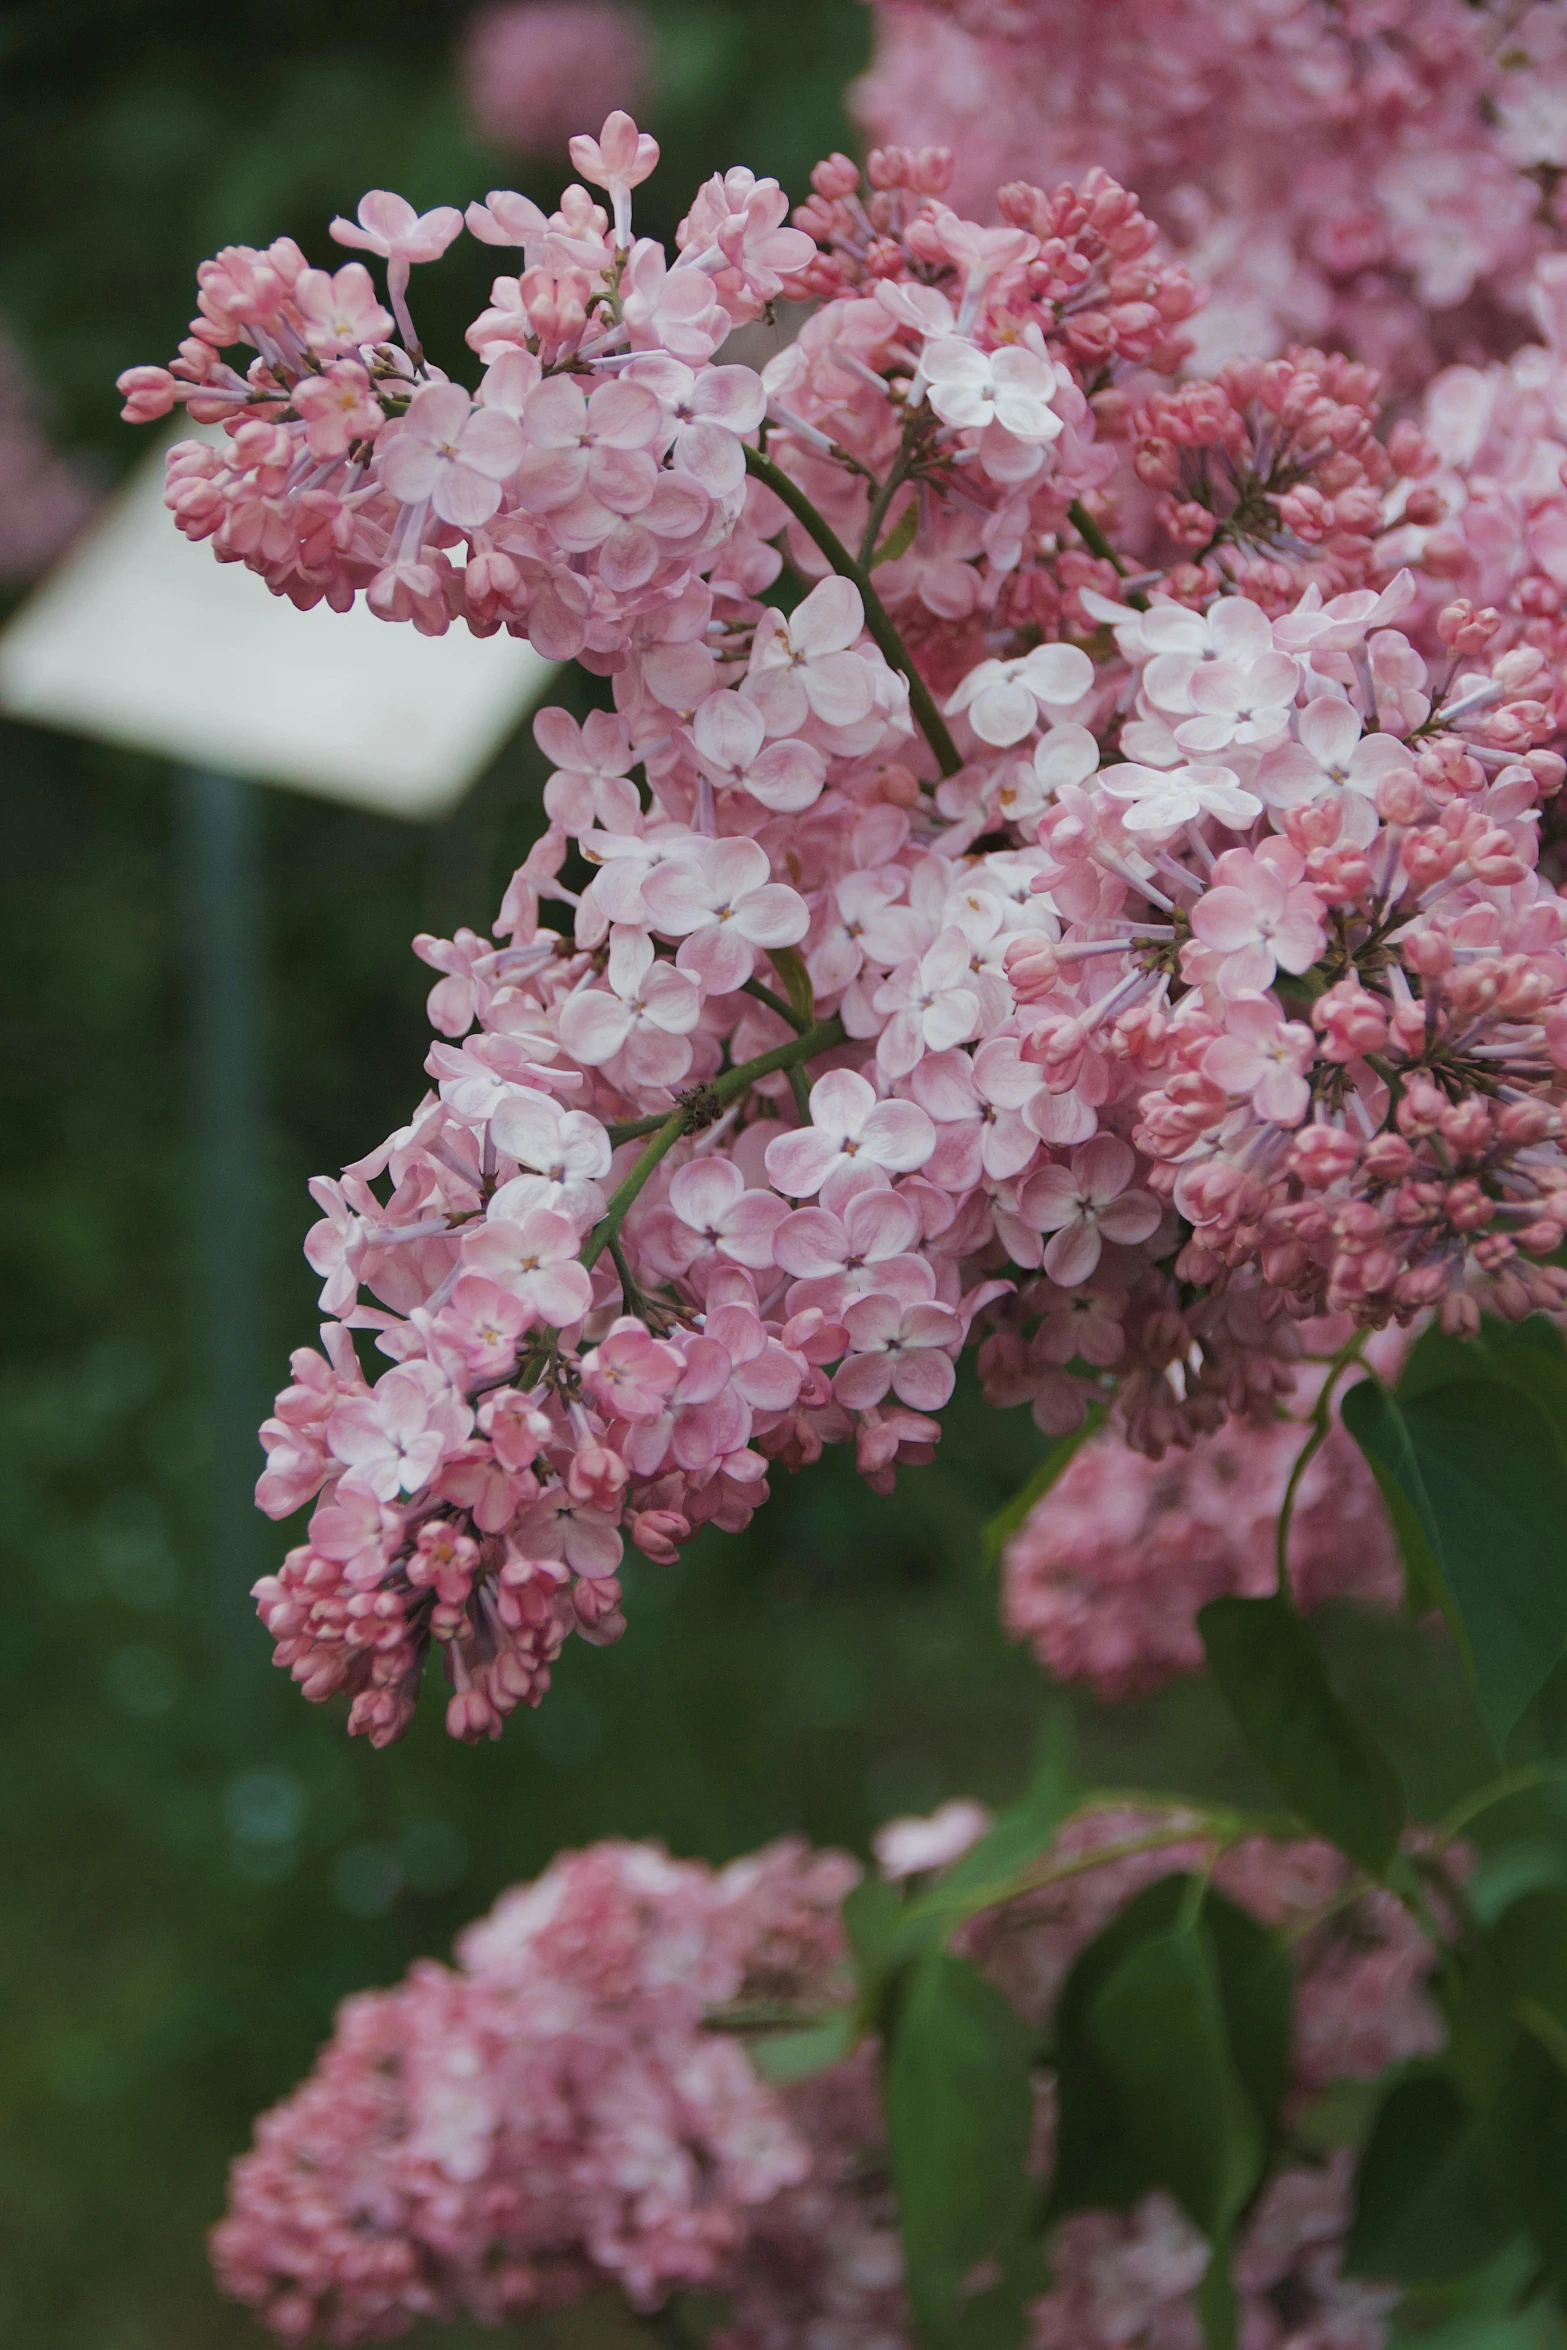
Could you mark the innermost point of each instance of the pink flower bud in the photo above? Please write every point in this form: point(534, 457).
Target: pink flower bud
point(597, 1477)
point(659, 1533)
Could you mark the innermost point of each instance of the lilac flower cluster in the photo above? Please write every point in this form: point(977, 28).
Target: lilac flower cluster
point(1098, 922)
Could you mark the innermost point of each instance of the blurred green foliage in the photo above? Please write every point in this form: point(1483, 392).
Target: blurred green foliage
point(193, 1880)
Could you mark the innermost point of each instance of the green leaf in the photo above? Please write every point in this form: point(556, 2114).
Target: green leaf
point(1479, 1467)
point(959, 2109)
point(1529, 2126)
point(1257, 1987)
point(1529, 1945)
point(1099, 2160)
point(989, 1870)
point(1426, 2205)
point(1000, 1529)
point(789, 2056)
point(901, 536)
point(997, 2319)
point(1329, 1770)
point(872, 1913)
point(1218, 2312)
point(1160, 2027)
point(1529, 1353)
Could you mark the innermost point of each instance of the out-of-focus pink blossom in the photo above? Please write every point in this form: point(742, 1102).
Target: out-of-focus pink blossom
point(531, 70)
point(1105, 1579)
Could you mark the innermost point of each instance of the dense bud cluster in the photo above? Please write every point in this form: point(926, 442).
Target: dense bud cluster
point(1098, 921)
point(558, 2110)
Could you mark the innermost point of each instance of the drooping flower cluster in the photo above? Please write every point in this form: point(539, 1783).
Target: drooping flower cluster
point(1105, 1577)
point(1099, 920)
point(552, 2115)
point(1376, 173)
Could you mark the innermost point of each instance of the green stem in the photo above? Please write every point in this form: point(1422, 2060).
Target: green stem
point(930, 721)
point(607, 1231)
point(775, 1003)
point(1519, 1782)
point(1095, 541)
point(632, 1129)
point(897, 475)
point(1220, 1829)
point(1321, 1423)
point(700, 1110)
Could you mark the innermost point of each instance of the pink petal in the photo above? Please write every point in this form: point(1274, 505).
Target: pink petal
point(593, 1026)
point(923, 1381)
point(828, 620)
point(491, 443)
point(1130, 1218)
point(842, 1101)
point(749, 1227)
point(898, 1136)
point(838, 687)
point(862, 1381)
point(719, 956)
point(1225, 919)
point(1073, 1254)
point(873, 1319)
point(799, 1162)
point(810, 1243)
point(677, 896)
point(879, 1224)
point(1103, 1167)
point(776, 916)
point(704, 1191)
point(562, 1293)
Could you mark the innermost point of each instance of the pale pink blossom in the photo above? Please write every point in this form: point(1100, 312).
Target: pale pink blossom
point(1331, 754)
point(802, 667)
point(388, 225)
point(711, 1211)
point(866, 1244)
point(535, 1259)
point(1011, 387)
point(722, 906)
point(929, 1005)
point(907, 1847)
point(1005, 699)
point(1260, 916)
point(903, 1349)
point(849, 1123)
point(1085, 1204)
point(618, 160)
point(558, 1527)
point(452, 453)
point(1161, 799)
point(647, 1015)
point(338, 408)
point(392, 1440)
point(674, 310)
point(1264, 1056)
point(730, 739)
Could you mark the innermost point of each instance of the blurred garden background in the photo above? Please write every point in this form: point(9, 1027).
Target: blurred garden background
point(196, 1865)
